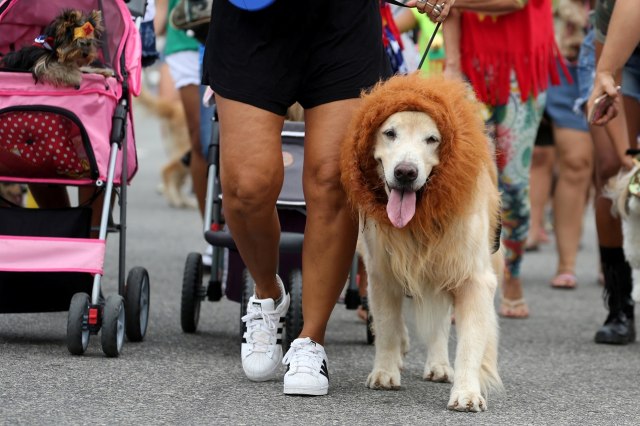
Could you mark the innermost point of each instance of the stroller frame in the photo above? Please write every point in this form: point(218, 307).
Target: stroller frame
point(128, 310)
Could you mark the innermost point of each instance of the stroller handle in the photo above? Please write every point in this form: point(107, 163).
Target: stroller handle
point(290, 242)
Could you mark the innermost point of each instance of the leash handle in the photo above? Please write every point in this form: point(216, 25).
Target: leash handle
point(433, 36)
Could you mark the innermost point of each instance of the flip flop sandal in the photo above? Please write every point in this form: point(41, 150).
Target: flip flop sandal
point(516, 309)
point(564, 281)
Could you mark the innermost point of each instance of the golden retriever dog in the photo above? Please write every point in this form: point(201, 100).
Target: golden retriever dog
point(419, 168)
point(624, 192)
point(175, 174)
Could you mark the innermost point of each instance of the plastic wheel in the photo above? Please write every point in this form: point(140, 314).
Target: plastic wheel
point(78, 324)
point(191, 288)
point(248, 286)
point(294, 314)
point(137, 293)
point(113, 324)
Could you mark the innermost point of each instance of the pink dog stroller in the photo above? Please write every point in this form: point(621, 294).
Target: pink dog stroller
point(81, 137)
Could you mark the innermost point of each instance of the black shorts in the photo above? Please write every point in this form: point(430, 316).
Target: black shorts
point(313, 52)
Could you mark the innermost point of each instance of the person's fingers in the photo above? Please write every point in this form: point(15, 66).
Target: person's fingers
point(445, 11)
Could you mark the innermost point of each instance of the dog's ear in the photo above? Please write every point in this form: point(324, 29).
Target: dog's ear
point(95, 18)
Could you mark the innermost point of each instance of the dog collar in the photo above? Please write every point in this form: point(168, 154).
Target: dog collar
point(44, 42)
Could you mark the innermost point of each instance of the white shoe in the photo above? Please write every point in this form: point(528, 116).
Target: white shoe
point(262, 339)
point(307, 372)
point(207, 257)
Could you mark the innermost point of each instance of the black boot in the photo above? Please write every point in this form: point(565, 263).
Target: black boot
point(619, 328)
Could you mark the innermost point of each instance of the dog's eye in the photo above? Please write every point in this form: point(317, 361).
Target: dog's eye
point(391, 133)
point(432, 139)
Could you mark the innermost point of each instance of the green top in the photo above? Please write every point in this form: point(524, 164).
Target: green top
point(178, 40)
point(426, 30)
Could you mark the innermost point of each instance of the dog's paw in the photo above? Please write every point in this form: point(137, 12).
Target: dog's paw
point(438, 373)
point(383, 379)
point(466, 401)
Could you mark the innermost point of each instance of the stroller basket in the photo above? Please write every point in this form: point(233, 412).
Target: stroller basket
point(24, 233)
point(42, 137)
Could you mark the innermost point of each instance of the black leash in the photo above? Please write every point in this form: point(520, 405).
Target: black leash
point(433, 36)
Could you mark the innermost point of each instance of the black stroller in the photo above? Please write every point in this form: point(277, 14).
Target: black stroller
point(227, 265)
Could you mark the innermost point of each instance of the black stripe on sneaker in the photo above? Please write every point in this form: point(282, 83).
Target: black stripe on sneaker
point(323, 370)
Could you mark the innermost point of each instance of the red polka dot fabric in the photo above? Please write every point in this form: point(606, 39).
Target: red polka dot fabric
point(41, 144)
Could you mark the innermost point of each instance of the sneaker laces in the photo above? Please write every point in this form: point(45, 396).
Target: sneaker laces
point(303, 357)
point(260, 326)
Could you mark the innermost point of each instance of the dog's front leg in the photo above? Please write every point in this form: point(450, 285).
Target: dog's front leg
point(433, 319)
point(476, 352)
point(390, 333)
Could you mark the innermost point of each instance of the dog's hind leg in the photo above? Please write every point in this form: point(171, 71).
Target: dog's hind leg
point(385, 302)
point(476, 352)
point(433, 321)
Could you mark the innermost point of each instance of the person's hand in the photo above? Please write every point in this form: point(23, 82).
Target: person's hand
point(604, 102)
point(436, 10)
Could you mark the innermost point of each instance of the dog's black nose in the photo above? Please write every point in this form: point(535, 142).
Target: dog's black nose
point(405, 173)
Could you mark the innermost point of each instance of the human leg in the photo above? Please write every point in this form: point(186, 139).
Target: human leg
point(516, 125)
point(542, 164)
point(618, 327)
point(190, 96)
point(575, 161)
point(251, 173)
point(330, 233)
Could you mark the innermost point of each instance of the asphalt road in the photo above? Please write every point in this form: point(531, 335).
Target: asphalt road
point(553, 372)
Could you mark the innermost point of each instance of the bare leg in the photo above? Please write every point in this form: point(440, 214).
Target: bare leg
point(190, 96)
point(251, 174)
point(331, 230)
point(542, 163)
point(575, 162)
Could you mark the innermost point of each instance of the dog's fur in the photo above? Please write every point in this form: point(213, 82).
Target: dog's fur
point(626, 206)
point(174, 173)
point(13, 193)
point(69, 56)
point(443, 255)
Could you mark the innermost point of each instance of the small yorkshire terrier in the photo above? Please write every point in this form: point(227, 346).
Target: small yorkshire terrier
point(68, 46)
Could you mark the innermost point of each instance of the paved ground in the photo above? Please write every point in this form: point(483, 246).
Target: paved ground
point(553, 372)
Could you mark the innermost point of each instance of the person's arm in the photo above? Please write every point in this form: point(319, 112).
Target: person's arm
point(160, 20)
point(405, 21)
point(491, 6)
point(452, 32)
point(622, 38)
point(494, 7)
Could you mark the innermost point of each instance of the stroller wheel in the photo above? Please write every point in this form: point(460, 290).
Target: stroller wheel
point(136, 306)
point(78, 324)
point(247, 291)
point(294, 314)
point(113, 325)
point(191, 297)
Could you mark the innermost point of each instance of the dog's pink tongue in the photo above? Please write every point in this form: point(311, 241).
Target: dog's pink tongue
point(401, 207)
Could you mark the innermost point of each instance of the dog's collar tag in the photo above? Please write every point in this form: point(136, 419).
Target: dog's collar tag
point(44, 42)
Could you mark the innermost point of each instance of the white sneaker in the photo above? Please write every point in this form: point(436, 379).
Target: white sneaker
point(207, 257)
point(307, 372)
point(262, 338)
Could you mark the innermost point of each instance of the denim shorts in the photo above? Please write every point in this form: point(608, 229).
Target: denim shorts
point(560, 102)
point(587, 71)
